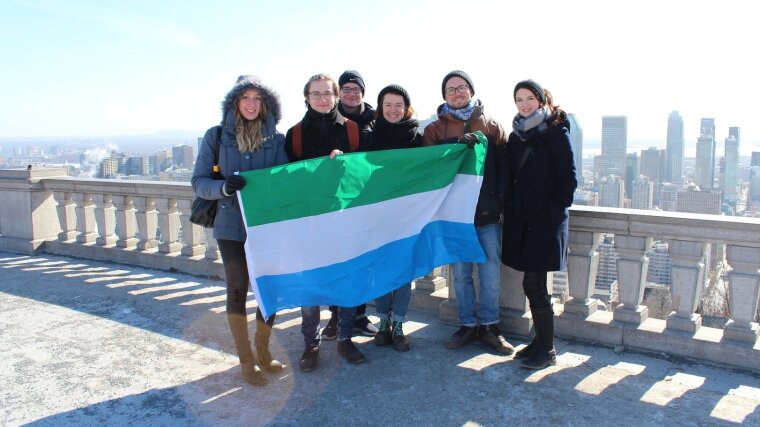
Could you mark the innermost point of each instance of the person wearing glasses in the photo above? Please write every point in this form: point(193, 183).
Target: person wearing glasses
point(459, 115)
point(323, 131)
point(247, 139)
point(352, 106)
point(539, 188)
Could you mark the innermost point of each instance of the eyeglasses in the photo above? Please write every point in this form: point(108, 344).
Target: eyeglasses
point(461, 89)
point(355, 90)
point(317, 95)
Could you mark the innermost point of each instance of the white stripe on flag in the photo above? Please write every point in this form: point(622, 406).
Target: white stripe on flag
point(335, 237)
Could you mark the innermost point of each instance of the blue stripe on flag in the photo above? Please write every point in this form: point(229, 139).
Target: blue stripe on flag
point(375, 273)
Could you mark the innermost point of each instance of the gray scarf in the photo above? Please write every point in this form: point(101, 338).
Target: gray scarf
point(537, 122)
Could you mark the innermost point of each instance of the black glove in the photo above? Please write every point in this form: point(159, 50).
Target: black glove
point(470, 139)
point(233, 183)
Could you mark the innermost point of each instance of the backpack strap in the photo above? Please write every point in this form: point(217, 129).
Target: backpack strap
point(353, 134)
point(297, 149)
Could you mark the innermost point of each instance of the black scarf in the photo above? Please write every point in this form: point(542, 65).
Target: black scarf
point(389, 136)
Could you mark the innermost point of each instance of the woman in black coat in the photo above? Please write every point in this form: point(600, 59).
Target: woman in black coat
point(539, 188)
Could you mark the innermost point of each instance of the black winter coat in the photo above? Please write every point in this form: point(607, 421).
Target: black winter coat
point(535, 232)
point(320, 134)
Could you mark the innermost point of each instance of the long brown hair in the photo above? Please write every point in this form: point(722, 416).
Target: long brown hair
point(249, 133)
point(560, 116)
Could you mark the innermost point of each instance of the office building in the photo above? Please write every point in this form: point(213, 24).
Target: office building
point(695, 200)
point(674, 149)
point(611, 191)
point(182, 156)
point(576, 139)
point(729, 181)
point(614, 145)
point(642, 196)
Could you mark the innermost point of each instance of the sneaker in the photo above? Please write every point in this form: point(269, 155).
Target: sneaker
point(330, 332)
point(348, 350)
point(400, 342)
point(491, 337)
point(527, 351)
point(462, 336)
point(364, 326)
point(309, 358)
point(541, 359)
point(383, 336)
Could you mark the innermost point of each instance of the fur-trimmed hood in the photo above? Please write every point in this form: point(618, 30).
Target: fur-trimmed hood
point(271, 99)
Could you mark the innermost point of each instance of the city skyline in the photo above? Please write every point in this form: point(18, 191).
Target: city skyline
point(91, 69)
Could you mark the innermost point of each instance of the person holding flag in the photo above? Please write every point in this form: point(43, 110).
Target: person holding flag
point(247, 139)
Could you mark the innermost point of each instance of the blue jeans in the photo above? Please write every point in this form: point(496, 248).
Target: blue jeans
point(346, 317)
point(489, 275)
point(396, 302)
point(310, 324)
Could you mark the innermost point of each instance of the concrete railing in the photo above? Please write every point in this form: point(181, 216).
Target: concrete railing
point(146, 224)
point(142, 223)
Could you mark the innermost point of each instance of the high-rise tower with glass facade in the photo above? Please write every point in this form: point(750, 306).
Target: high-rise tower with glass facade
point(674, 148)
point(614, 144)
point(576, 138)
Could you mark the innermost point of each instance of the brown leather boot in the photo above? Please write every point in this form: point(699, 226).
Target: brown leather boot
point(239, 328)
point(261, 343)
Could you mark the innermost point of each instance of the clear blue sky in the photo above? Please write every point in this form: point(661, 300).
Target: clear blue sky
point(95, 68)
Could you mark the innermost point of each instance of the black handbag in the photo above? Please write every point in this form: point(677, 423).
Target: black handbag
point(203, 211)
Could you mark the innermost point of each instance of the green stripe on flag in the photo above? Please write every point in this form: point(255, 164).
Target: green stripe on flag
point(322, 185)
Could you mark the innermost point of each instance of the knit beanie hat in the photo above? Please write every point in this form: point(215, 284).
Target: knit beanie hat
point(456, 73)
point(396, 89)
point(351, 76)
point(533, 87)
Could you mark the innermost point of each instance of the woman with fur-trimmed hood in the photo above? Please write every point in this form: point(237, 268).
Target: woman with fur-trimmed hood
point(248, 139)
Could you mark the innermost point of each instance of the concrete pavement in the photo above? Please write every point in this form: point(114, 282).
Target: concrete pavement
point(91, 343)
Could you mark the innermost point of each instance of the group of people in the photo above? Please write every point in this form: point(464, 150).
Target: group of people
point(520, 219)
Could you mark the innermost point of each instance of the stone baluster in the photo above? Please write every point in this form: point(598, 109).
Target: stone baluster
point(582, 266)
point(432, 281)
point(85, 218)
point(212, 250)
point(105, 216)
point(632, 271)
point(125, 221)
point(192, 234)
point(743, 293)
point(168, 223)
point(147, 222)
point(686, 275)
point(67, 216)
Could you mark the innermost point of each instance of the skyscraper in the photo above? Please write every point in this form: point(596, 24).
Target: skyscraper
point(704, 167)
point(576, 138)
point(183, 156)
point(674, 148)
point(650, 164)
point(631, 172)
point(614, 144)
point(730, 167)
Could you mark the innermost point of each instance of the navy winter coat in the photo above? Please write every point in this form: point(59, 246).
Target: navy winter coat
point(228, 224)
point(535, 229)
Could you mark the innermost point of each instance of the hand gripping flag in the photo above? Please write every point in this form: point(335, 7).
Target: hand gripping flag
point(344, 231)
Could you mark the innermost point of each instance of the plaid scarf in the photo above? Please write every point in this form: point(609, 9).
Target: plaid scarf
point(462, 114)
point(537, 122)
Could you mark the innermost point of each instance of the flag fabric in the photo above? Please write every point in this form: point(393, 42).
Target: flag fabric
point(344, 231)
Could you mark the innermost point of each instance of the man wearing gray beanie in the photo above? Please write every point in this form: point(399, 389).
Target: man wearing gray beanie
point(462, 114)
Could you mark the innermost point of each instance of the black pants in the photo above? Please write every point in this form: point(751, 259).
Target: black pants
point(236, 274)
point(534, 286)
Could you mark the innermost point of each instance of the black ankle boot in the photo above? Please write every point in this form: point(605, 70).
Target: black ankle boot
point(543, 357)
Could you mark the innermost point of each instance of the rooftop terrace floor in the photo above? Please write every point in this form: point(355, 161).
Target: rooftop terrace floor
point(92, 343)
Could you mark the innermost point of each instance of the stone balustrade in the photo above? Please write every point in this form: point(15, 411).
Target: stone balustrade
point(147, 224)
point(142, 223)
